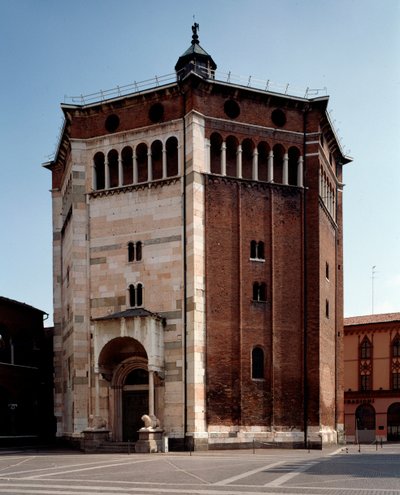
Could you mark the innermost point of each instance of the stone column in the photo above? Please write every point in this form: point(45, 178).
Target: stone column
point(285, 171)
point(179, 159)
point(151, 393)
point(135, 170)
point(164, 161)
point(149, 166)
point(271, 166)
point(208, 156)
point(106, 173)
point(300, 172)
point(223, 158)
point(255, 164)
point(239, 161)
point(120, 171)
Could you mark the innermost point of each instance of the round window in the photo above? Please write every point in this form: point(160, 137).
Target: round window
point(112, 123)
point(156, 112)
point(231, 109)
point(278, 117)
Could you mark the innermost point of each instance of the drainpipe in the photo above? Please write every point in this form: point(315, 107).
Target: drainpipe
point(305, 281)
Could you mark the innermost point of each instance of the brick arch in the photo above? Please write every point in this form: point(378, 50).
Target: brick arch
point(118, 351)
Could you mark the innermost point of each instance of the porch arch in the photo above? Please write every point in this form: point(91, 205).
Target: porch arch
point(118, 359)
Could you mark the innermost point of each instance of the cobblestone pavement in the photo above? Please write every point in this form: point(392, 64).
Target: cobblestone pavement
point(291, 472)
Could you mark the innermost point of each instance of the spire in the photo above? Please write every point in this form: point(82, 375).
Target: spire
point(195, 59)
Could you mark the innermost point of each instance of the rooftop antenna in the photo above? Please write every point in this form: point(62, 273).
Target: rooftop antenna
point(373, 272)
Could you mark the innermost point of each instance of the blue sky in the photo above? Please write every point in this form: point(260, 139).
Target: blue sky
point(52, 48)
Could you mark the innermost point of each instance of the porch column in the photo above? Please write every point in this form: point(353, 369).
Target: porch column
point(151, 393)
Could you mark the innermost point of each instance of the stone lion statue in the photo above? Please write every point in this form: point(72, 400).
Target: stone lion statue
point(150, 422)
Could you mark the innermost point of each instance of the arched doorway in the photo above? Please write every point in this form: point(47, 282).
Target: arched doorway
point(365, 423)
point(123, 362)
point(135, 403)
point(393, 422)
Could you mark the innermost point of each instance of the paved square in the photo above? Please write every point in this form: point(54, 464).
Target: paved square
point(330, 472)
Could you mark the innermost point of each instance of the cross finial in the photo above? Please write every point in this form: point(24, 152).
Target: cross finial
point(195, 37)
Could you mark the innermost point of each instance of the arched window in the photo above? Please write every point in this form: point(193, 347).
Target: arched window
point(172, 156)
point(135, 251)
point(113, 167)
point(257, 250)
point(259, 292)
point(135, 295)
point(393, 422)
point(132, 294)
point(247, 159)
point(138, 251)
point(215, 153)
point(156, 160)
point(365, 348)
point(127, 165)
point(99, 171)
point(293, 155)
point(365, 417)
point(260, 251)
point(231, 156)
point(278, 163)
point(257, 363)
point(131, 251)
point(396, 346)
point(253, 249)
point(263, 153)
point(395, 364)
point(365, 364)
point(139, 295)
point(141, 160)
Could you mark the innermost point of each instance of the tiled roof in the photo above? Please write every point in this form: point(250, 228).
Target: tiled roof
point(367, 319)
point(8, 301)
point(130, 313)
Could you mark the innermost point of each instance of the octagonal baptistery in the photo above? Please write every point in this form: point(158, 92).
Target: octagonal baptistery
point(197, 239)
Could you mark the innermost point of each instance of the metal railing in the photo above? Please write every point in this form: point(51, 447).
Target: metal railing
point(221, 76)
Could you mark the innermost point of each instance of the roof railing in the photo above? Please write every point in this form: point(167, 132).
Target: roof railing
point(221, 76)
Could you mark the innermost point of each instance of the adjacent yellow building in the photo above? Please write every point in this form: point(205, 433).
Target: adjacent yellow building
point(372, 377)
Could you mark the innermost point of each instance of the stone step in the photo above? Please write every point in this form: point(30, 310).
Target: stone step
point(117, 447)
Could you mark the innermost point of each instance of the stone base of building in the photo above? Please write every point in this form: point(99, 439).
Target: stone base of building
point(149, 441)
point(259, 438)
